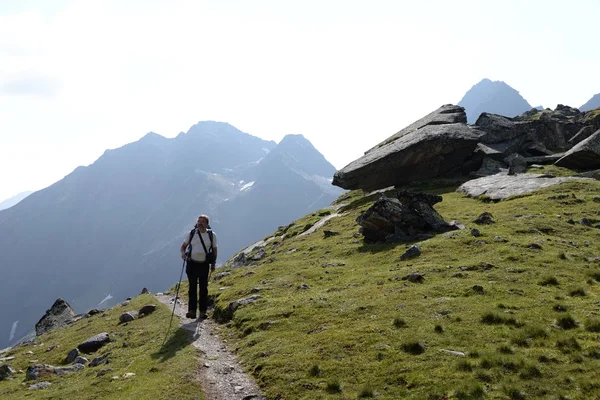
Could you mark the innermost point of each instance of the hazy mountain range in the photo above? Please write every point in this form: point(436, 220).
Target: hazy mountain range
point(13, 200)
point(114, 227)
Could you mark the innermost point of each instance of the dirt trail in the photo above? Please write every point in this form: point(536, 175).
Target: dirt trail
point(220, 372)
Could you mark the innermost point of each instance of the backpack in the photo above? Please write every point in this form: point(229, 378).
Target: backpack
point(210, 255)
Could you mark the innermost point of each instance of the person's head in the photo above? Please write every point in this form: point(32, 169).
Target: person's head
point(203, 221)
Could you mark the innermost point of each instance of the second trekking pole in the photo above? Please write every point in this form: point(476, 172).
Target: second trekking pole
point(175, 302)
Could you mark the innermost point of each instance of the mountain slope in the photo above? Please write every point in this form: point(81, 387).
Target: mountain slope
point(14, 200)
point(116, 226)
point(494, 97)
point(506, 314)
point(592, 103)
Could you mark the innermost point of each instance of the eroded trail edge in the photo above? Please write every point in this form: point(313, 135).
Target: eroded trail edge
point(219, 372)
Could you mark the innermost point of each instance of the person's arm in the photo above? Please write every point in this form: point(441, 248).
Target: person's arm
point(184, 246)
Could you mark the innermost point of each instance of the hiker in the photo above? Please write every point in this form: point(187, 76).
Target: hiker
point(201, 255)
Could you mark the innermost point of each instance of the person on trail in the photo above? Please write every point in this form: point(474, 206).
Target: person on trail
point(199, 248)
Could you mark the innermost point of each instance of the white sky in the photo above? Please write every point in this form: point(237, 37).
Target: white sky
point(80, 77)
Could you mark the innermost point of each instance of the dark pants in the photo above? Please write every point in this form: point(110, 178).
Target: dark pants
point(197, 273)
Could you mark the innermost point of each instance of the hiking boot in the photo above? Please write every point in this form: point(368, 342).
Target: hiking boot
point(190, 314)
point(203, 315)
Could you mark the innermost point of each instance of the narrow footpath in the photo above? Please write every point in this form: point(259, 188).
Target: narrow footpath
point(219, 372)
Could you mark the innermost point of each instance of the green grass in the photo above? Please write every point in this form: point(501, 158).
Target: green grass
point(359, 330)
point(160, 372)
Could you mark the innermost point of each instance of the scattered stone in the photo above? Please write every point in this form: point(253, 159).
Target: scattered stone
point(94, 343)
point(125, 303)
point(40, 385)
point(99, 360)
point(327, 234)
point(38, 371)
point(478, 289)
point(412, 252)
point(6, 371)
point(484, 218)
point(475, 232)
point(304, 286)
point(586, 222)
point(500, 239)
point(234, 305)
point(128, 316)
point(147, 309)
point(534, 246)
point(81, 360)
point(221, 275)
point(128, 375)
point(73, 354)
point(94, 311)
point(453, 352)
point(144, 291)
point(414, 277)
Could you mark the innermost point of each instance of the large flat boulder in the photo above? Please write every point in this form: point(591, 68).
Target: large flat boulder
point(584, 155)
point(431, 151)
point(501, 186)
point(446, 114)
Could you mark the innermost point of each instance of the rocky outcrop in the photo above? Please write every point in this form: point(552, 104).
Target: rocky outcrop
point(59, 315)
point(442, 145)
point(409, 217)
point(584, 155)
point(434, 148)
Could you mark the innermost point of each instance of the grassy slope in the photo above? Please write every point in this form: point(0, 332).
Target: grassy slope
point(161, 373)
point(353, 333)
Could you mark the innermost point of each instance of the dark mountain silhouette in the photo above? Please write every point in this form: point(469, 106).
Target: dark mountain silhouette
point(494, 97)
point(592, 103)
point(8, 203)
point(115, 226)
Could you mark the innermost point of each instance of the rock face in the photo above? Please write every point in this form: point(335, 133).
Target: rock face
point(409, 217)
point(431, 147)
point(442, 145)
point(592, 103)
point(56, 317)
point(583, 155)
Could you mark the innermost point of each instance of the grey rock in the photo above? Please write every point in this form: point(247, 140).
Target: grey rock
point(414, 277)
point(485, 218)
point(429, 148)
point(409, 217)
point(128, 316)
point(56, 317)
point(99, 361)
point(498, 187)
point(144, 291)
point(234, 305)
point(475, 232)
point(6, 371)
point(94, 343)
point(221, 275)
point(412, 252)
point(39, 385)
point(517, 164)
point(80, 360)
point(147, 309)
point(584, 155)
point(38, 371)
point(73, 354)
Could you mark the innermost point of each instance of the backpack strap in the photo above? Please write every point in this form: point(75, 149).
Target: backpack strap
point(202, 240)
point(189, 252)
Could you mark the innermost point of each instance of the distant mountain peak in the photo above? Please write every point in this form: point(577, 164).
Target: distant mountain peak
point(592, 103)
point(494, 97)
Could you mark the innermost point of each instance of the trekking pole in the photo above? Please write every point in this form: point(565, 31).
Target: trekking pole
point(174, 303)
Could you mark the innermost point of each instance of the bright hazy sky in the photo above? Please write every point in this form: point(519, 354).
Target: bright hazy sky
point(80, 77)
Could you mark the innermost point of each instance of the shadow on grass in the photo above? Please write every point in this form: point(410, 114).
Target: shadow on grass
point(379, 247)
point(177, 340)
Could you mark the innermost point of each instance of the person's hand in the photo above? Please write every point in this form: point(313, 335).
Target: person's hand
point(183, 256)
point(212, 267)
